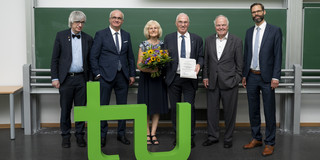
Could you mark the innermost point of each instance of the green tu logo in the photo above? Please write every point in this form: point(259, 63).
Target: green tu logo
point(93, 113)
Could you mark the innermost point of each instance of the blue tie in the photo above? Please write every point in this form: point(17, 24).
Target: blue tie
point(118, 49)
point(256, 50)
point(183, 47)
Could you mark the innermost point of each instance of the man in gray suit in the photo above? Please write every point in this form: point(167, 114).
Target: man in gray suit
point(221, 76)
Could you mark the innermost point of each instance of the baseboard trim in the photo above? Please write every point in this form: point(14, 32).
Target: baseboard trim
point(17, 125)
point(161, 124)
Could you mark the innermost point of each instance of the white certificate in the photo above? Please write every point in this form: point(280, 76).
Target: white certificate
point(187, 68)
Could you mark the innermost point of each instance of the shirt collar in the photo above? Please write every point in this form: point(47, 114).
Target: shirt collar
point(224, 38)
point(113, 31)
point(262, 26)
point(186, 35)
point(74, 33)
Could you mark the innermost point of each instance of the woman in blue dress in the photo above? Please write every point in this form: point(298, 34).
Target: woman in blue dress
point(152, 91)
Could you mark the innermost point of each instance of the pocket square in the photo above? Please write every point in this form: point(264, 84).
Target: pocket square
point(125, 41)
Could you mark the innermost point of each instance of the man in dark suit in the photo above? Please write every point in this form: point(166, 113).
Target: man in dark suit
point(182, 44)
point(70, 72)
point(112, 62)
point(222, 74)
point(261, 72)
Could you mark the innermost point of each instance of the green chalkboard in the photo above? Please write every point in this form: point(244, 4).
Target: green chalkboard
point(311, 54)
point(48, 21)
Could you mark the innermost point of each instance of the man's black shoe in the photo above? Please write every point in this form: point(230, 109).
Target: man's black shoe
point(66, 143)
point(227, 144)
point(209, 142)
point(103, 141)
point(123, 139)
point(81, 142)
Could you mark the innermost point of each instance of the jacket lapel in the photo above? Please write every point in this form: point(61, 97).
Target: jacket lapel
point(69, 45)
point(249, 43)
point(214, 47)
point(84, 46)
point(175, 46)
point(265, 36)
point(109, 34)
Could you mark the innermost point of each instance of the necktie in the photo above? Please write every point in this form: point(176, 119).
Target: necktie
point(78, 36)
point(256, 50)
point(117, 45)
point(183, 47)
point(117, 42)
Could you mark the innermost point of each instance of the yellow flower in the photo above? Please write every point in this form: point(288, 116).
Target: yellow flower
point(161, 51)
point(158, 59)
point(153, 58)
point(144, 53)
point(150, 51)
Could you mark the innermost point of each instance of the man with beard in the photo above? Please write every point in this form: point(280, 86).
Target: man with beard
point(222, 74)
point(261, 72)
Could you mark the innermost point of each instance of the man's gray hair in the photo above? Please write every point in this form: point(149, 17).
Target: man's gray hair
point(219, 17)
point(180, 14)
point(116, 10)
point(76, 16)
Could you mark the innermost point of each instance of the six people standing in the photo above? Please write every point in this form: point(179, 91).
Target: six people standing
point(112, 63)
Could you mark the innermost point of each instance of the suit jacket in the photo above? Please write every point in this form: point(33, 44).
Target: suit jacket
point(62, 55)
point(171, 43)
point(227, 71)
point(270, 55)
point(104, 57)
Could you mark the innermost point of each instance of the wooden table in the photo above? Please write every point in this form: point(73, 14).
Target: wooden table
point(12, 91)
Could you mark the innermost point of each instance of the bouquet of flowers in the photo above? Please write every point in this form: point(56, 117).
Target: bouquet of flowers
point(154, 58)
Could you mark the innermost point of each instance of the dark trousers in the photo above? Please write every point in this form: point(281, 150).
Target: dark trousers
point(255, 84)
point(120, 85)
point(229, 98)
point(73, 90)
point(179, 87)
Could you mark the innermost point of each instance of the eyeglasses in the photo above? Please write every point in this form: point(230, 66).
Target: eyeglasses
point(257, 12)
point(116, 18)
point(78, 22)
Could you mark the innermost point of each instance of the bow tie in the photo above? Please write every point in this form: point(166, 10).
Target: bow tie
point(78, 36)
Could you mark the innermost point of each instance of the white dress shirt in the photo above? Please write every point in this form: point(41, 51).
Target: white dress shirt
point(262, 29)
point(220, 44)
point(113, 32)
point(187, 41)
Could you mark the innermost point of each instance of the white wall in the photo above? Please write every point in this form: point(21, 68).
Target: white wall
point(13, 51)
point(157, 3)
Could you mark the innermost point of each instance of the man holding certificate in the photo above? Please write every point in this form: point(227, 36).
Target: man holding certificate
point(186, 51)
